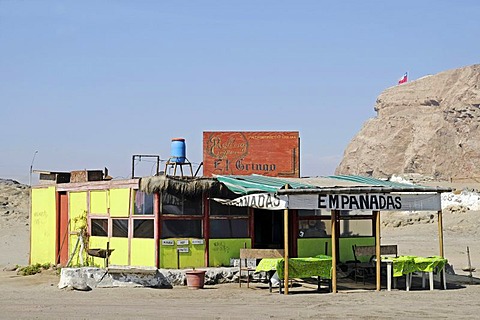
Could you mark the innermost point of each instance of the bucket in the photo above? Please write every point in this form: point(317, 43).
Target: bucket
point(178, 150)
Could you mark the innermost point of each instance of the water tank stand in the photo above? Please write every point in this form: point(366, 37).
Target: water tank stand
point(173, 163)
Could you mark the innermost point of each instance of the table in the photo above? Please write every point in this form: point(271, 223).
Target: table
point(319, 266)
point(407, 265)
point(401, 265)
point(428, 265)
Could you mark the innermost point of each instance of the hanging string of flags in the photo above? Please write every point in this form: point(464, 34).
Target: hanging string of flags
point(403, 79)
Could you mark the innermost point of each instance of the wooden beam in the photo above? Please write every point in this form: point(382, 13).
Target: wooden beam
point(334, 250)
point(440, 233)
point(377, 248)
point(285, 238)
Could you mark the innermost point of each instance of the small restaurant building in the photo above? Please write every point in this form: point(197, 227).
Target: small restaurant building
point(184, 222)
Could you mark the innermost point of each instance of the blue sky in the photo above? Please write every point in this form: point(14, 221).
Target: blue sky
point(88, 84)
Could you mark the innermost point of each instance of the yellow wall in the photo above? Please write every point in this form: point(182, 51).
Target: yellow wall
point(98, 202)
point(77, 203)
point(98, 243)
point(43, 226)
point(119, 202)
point(142, 252)
point(120, 254)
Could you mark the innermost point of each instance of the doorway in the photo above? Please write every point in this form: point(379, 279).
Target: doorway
point(268, 229)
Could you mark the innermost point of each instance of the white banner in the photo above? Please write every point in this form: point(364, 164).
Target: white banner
point(268, 201)
point(387, 202)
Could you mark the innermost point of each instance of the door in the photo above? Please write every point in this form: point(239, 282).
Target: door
point(62, 239)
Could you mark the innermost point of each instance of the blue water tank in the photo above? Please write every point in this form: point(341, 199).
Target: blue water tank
point(178, 150)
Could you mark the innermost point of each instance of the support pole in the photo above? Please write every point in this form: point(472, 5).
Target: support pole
point(440, 233)
point(285, 238)
point(334, 249)
point(376, 215)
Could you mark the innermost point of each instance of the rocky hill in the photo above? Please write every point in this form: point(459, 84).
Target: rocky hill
point(430, 126)
point(14, 201)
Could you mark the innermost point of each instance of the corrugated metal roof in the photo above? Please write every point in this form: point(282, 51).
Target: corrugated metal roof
point(372, 181)
point(258, 183)
point(330, 184)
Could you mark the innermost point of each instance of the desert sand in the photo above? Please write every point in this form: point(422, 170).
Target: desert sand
point(38, 297)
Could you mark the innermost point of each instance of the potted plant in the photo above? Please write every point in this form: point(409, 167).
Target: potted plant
point(195, 278)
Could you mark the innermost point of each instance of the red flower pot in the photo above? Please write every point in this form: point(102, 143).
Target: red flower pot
point(195, 279)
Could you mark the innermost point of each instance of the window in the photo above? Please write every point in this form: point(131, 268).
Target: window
point(229, 228)
point(218, 209)
point(99, 227)
point(143, 228)
point(182, 228)
point(120, 228)
point(314, 228)
point(356, 228)
point(180, 205)
point(143, 203)
point(317, 212)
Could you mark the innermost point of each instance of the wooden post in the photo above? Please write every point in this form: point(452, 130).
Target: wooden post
point(440, 233)
point(376, 214)
point(334, 250)
point(285, 238)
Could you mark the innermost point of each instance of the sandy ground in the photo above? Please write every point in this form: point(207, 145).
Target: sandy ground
point(37, 297)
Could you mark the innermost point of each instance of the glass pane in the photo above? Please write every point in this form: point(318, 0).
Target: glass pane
point(355, 228)
point(99, 227)
point(120, 228)
point(171, 204)
point(314, 228)
point(143, 228)
point(218, 209)
point(349, 213)
point(229, 228)
point(182, 228)
point(192, 206)
point(143, 203)
point(318, 212)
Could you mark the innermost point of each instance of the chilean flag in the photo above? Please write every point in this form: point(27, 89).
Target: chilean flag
point(403, 79)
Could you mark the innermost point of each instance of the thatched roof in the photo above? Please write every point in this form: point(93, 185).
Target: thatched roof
point(175, 185)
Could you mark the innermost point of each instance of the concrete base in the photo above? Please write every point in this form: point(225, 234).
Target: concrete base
point(86, 278)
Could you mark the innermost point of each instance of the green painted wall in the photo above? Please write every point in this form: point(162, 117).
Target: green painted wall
point(310, 247)
point(43, 226)
point(195, 257)
point(221, 250)
point(346, 251)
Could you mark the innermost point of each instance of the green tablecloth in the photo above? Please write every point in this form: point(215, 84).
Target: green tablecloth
point(429, 264)
point(299, 267)
point(407, 264)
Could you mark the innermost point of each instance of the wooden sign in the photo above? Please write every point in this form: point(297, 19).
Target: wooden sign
point(168, 242)
point(269, 153)
point(197, 241)
point(182, 242)
point(183, 249)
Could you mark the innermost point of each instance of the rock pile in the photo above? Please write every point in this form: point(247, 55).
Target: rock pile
point(14, 200)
